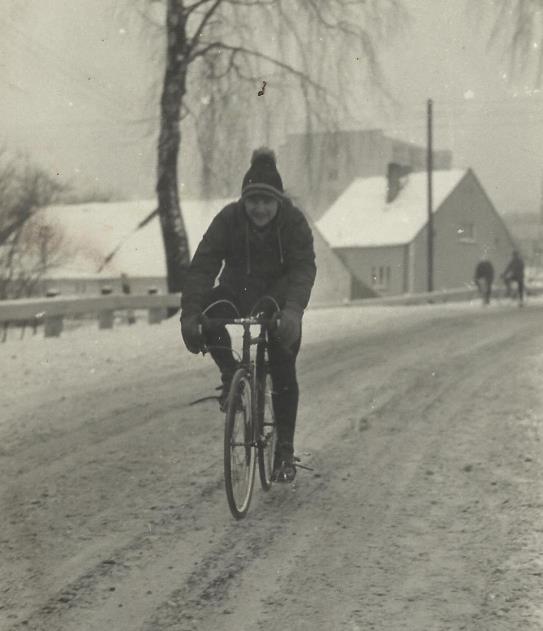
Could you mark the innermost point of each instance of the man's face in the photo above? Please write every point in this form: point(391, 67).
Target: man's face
point(261, 209)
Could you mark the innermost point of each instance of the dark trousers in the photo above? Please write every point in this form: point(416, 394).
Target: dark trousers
point(520, 283)
point(520, 287)
point(485, 288)
point(282, 361)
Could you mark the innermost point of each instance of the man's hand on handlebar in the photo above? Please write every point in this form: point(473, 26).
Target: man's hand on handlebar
point(191, 331)
point(289, 323)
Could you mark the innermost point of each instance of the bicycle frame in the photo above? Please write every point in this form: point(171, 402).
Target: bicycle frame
point(254, 440)
point(248, 340)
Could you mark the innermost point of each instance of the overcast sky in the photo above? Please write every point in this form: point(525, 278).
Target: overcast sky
point(79, 88)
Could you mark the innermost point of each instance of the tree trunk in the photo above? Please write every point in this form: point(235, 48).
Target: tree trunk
point(171, 221)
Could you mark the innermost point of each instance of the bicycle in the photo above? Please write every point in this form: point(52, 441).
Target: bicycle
point(515, 293)
point(250, 431)
point(484, 286)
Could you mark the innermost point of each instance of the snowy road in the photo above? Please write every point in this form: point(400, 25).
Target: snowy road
point(424, 512)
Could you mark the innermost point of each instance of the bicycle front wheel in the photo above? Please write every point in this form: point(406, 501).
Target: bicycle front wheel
point(239, 446)
point(267, 434)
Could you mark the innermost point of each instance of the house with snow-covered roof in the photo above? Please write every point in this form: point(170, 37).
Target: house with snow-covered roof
point(320, 165)
point(378, 228)
point(108, 240)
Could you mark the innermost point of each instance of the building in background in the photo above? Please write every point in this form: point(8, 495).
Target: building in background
point(378, 228)
point(527, 230)
point(107, 242)
point(319, 166)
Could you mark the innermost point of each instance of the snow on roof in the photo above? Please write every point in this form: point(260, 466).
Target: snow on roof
point(93, 231)
point(360, 217)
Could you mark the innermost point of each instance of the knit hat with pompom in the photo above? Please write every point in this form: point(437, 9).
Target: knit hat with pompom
point(263, 178)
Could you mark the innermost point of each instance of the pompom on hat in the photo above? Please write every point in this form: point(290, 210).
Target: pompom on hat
point(263, 178)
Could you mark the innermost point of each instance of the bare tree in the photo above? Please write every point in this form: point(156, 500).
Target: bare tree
point(28, 247)
point(24, 189)
point(35, 250)
point(307, 46)
point(517, 28)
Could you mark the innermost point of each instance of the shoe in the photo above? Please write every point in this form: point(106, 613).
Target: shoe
point(284, 468)
point(223, 397)
point(226, 379)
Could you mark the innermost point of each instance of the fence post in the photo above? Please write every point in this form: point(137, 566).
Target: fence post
point(156, 314)
point(105, 318)
point(127, 289)
point(53, 325)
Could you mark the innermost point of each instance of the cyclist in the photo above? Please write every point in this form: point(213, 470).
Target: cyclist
point(265, 247)
point(483, 278)
point(514, 272)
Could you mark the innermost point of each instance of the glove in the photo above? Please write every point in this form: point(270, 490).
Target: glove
point(290, 326)
point(191, 332)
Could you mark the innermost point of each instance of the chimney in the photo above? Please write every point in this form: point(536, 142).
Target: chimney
point(396, 176)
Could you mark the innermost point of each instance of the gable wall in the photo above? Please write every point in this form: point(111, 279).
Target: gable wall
point(333, 281)
point(456, 255)
point(364, 263)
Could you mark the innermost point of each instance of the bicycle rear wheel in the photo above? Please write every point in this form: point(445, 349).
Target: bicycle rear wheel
point(239, 446)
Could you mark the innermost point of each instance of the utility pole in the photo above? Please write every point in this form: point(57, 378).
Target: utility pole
point(539, 251)
point(430, 167)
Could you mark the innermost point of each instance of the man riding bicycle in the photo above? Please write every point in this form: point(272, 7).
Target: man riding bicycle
point(265, 247)
point(514, 272)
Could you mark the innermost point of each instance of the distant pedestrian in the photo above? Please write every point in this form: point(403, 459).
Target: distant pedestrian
point(514, 273)
point(483, 278)
point(126, 289)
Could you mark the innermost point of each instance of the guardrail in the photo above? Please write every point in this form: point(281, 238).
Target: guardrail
point(51, 312)
point(431, 297)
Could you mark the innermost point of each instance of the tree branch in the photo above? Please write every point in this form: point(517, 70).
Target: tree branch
point(262, 56)
point(193, 41)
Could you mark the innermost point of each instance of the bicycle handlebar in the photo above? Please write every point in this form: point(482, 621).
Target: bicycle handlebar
point(249, 320)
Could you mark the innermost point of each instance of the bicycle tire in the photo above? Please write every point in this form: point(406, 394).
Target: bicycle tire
point(266, 429)
point(239, 445)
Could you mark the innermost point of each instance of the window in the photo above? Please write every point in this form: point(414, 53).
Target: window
point(380, 277)
point(332, 158)
point(333, 173)
point(333, 148)
point(466, 232)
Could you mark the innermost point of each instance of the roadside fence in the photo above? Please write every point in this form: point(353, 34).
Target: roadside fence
point(51, 312)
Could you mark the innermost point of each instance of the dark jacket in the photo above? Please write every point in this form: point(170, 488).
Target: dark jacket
point(485, 270)
point(514, 269)
point(279, 259)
